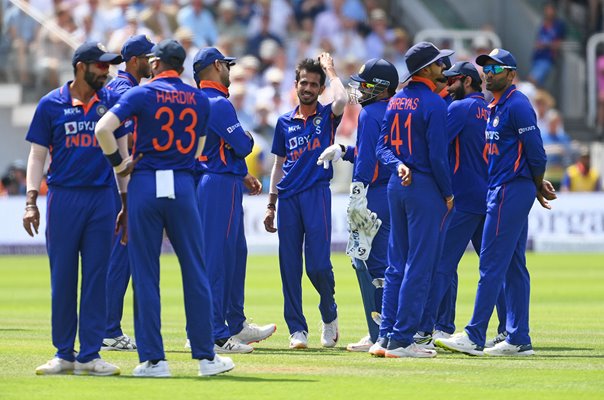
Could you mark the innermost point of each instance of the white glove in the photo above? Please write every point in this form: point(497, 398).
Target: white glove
point(333, 153)
point(357, 205)
point(359, 241)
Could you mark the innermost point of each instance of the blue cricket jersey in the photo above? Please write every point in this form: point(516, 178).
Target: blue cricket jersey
point(413, 133)
point(466, 123)
point(66, 126)
point(173, 116)
point(123, 82)
point(227, 144)
point(367, 169)
point(301, 142)
point(514, 144)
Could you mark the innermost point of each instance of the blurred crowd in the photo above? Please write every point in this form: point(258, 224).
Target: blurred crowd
point(268, 37)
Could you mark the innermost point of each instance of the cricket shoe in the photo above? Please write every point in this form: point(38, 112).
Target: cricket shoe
point(496, 340)
point(252, 333)
point(329, 333)
point(232, 346)
point(424, 340)
point(298, 340)
point(378, 349)
point(150, 370)
point(216, 366)
point(414, 350)
point(460, 343)
point(362, 346)
point(120, 343)
point(503, 349)
point(96, 367)
point(188, 344)
point(56, 366)
point(440, 335)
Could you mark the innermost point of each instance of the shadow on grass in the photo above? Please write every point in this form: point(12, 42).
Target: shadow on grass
point(233, 378)
point(541, 348)
point(292, 352)
point(14, 330)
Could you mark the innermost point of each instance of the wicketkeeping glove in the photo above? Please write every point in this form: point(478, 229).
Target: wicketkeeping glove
point(359, 240)
point(331, 154)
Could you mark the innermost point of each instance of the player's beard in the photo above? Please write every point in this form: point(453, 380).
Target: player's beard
point(94, 81)
point(144, 71)
point(307, 102)
point(458, 93)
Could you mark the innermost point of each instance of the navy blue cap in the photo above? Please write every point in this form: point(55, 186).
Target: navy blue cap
point(207, 56)
point(135, 46)
point(500, 56)
point(378, 71)
point(94, 52)
point(423, 54)
point(464, 68)
point(170, 52)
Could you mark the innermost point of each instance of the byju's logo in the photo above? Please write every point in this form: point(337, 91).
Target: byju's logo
point(71, 128)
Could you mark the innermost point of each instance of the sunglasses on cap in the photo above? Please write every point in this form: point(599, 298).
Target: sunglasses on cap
point(495, 68)
point(452, 79)
point(99, 64)
point(440, 62)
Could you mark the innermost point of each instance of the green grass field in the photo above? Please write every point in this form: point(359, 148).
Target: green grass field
point(567, 314)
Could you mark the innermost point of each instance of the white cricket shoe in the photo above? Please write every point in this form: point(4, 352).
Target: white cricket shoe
point(298, 340)
point(120, 343)
point(56, 366)
point(496, 340)
point(378, 349)
point(252, 333)
point(150, 370)
point(216, 366)
point(460, 343)
point(233, 346)
point(188, 344)
point(503, 349)
point(440, 335)
point(414, 350)
point(424, 340)
point(329, 333)
point(361, 346)
point(96, 367)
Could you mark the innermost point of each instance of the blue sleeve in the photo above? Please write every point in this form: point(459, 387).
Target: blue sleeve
point(127, 126)
point(40, 129)
point(367, 137)
point(524, 121)
point(383, 151)
point(457, 115)
point(436, 137)
point(226, 125)
point(349, 154)
point(128, 104)
point(205, 113)
point(279, 140)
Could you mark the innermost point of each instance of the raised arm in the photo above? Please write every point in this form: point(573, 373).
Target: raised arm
point(340, 96)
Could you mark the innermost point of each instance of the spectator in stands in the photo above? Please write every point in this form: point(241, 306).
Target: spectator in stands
point(93, 20)
point(328, 23)
point(279, 14)
point(600, 80)
point(21, 31)
point(199, 20)
point(160, 18)
point(395, 52)
point(229, 27)
point(581, 176)
point(119, 36)
point(557, 148)
point(17, 171)
point(549, 37)
point(347, 41)
point(264, 33)
point(308, 9)
point(543, 102)
point(185, 36)
point(380, 35)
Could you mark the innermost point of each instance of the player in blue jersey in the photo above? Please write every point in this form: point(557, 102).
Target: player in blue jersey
point(372, 87)
point(80, 209)
point(172, 119)
point(466, 122)
point(135, 55)
point(302, 186)
point(515, 176)
point(413, 135)
point(224, 175)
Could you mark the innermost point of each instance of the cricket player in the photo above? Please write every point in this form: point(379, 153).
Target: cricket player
point(172, 118)
point(372, 87)
point(413, 135)
point(515, 177)
point(80, 209)
point(224, 175)
point(135, 55)
point(466, 122)
point(302, 186)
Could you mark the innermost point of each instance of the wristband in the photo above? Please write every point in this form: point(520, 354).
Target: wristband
point(114, 159)
point(31, 207)
point(271, 206)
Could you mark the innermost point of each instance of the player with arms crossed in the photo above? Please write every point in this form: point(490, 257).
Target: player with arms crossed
point(372, 87)
point(413, 135)
point(220, 194)
point(135, 54)
point(304, 215)
point(172, 120)
point(80, 209)
point(515, 176)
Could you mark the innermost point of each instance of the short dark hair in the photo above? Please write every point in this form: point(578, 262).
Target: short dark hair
point(476, 85)
point(311, 65)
